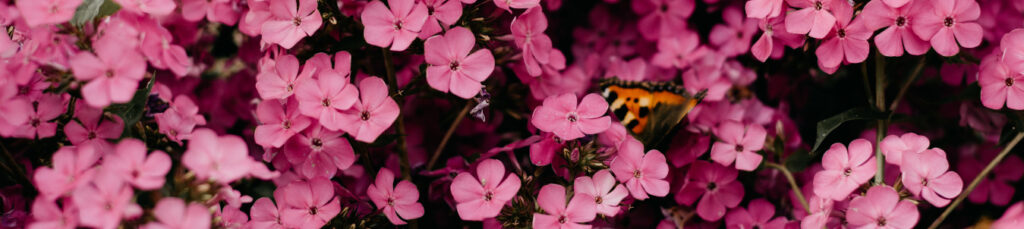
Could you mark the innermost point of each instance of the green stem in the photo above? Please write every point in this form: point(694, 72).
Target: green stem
point(903, 89)
point(448, 134)
point(881, 128)
point(399, 123)
point(977, 179)
point(792, 184)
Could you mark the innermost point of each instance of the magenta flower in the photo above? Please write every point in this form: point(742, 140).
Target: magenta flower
point(606, 193)
point(561, 115)
point(898, 35)
point(643, 174)
point(279, 122)
point(948, 22)
point(47, 215)
point(172, 213)
point(844, 169)
point(848, 42)
point(443, 14)
point(372, 114)
point(998, 188)
point(280, 79)
point(129, 161)
point(528, 31)
point(733, 37)
point(767, 45)
point(72, 168)
point(483, 197)
point(47, 12)
point(319, 152)
point(93, 128)
point(881, 208)
point(814, 17)
point(113, 73)
point(452, 67)
point(716, 187)
point(543, 151)
point(39, 125)
point(894, 147)
point(998, 78)
point(739, 143)
point(104, 202)
point(266, 215)
point(1013, 217)
point(290, 21)
point(518, 4)
point(401, 200)
point(396, 27)
point(559, 214)
point(326, 97)
point(662, 18)
point(927, 175)
point(759, 214)
point(309, 204)
point(764, 9)
point(223, 159)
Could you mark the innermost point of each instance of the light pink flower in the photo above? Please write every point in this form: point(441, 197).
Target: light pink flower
point(898, 35)
point(1013, 217)
point(845, 169)
point(178, 121)
point(528, 32)
point(452, 67)
point(759, 214)
point(93, 128)
point(290, 21)
point(129, 161)
point(223, 159)
point(662, 18)
point(881, 208)
point(483, 197)
point(266, 215)
point(172, 213)
point(767, 45)
point(561, 115)
point(319, 152)
point(927, 175)
point(948, 22)
point(279, 122)
point(894, 147)
point(847, 43)
point(372, 114)
point(679, 50)
point(814, 18)
point(715, 185)
point(46, 12)
point(606, 193)
point(643, 174)
point(518, 4)
point(309, 204)
point(1012, 47)
point(104, 202)
point(153, 7)
point(733, 37)
point(223, 11)
point(543, 151)
point(231, 217)
point(764, 9)
point(396, 27)
point(281, 77)
point(113, 73)
point(559, 214)
point(46, 215)
point(739, 143)
point(1000, 85)
point(443, 14)
point(326, 97)
point(40, 122)
point(15, 110)
point(72, 168)
point(401, 200)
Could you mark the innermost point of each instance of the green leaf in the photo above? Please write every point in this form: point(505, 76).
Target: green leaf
point(133, 111)
point(90, 9)
point(798, 161)
point(828, 125)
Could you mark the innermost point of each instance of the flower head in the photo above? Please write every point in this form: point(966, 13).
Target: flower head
point(948, 22)
point(396, 27)
point(739, 143)
point(845, 169)
point(46, 12)
point(113, 72)
point(881, 208)
point(319, 152)
point(129, 161)
point(326, 97)
point(395, 201)
point(715, 185)
point(927, 175)
point(223, 159)
point(309, 204)
point(372, 114)
point(483, 197)
point(643, 174)
point(895, 147)
point(290, 21)
point(561, 115)
point(172, 213)
point(602, 187)
point(452, 67)
point(759, 214)
point(558, 213)
point(72, 168)
point(279, 122)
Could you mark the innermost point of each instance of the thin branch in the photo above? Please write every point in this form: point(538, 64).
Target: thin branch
point(792, 184)
point(448, 134)
point(977, 179)
point(403, 154)
point(881, 128)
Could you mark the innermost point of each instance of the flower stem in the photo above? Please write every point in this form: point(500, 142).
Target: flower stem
point(403, 154)
point(881, 128)
point(792, 184)
point(448, 134)
point(977, 179)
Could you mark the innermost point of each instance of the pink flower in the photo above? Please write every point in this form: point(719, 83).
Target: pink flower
point(898, 34)
point(452, 67)
point(607, 195)
point(372, 114)
point(290, 21)
point(774, 28)
point(178, 121)
point(48, 107)
point(223, 159)
point(518, 4)
point(894, 147)
point(279, 122)
point(814, 18)
point(927, 175)
point(643, 174)
point(153, 7)
point(848, 43)
point(326, 97)
point(129, 161)
point(758, 215)
point(881, 208)
point(397, 26)
point(999, 84)
point(662, 18)
point(309, 204)
point(443, 14)
point(319, 153)
point(395, 201)
point(543, 151)
point(47, 12)
point(947, 22)
point(716, 187)
point(93, 128)
point(679, 51)
point(733, 37)
point(844, 170)
point(528, 31)
point(231, 217)
point(104, 202)
point(559, 214)
point(997, 188)
point(279, 78)
point(483, 197)
point(113, 73)
point(72, 168)
point(764, 9)
point(265, 215)
point(223, 11)
point(16, 108)
point(172, 213)
point(1013, 217)
point(1012, 48)
point(739, 143)
point(561, 115)
point(46, 215)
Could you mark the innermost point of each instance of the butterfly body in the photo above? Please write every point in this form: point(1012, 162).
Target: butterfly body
point(648, 110)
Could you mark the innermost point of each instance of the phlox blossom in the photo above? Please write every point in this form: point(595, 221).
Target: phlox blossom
point(948, 22)
point(451, 66)
point(395, 200)
point(602, 188)
point(372, 114)
point(290, 21)
point(716, 187)
point(845, 169)
point(172, 213)
point(927, 175)
point(560, 214)
point(483, 197)
point(561, 115)
point(881, 208)
point(643, 174)
point(739, 143)
point(395, 25)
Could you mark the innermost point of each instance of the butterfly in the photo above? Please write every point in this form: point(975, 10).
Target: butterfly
point(648, 110)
